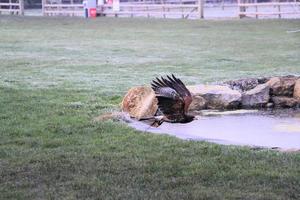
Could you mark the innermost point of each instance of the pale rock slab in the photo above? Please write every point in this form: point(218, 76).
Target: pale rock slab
point(257, 97)
point(217, 96)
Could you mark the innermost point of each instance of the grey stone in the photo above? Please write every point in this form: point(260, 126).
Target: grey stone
point(270, 105)
point(217, 96)
point(245, 84)
point(257, 97)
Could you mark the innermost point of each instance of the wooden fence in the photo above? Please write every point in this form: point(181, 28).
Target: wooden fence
point(154, 10)
point(12, 7)
point(274, 8)
point(62, 8)
point(191, 10)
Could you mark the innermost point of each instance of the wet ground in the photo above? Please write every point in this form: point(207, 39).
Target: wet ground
point(272, 129)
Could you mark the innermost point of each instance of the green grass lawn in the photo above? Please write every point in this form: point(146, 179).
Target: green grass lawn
point(57, 74)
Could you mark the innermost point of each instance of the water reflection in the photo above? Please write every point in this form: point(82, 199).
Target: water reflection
point(274, 128)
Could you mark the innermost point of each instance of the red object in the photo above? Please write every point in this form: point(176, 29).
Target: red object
point(93, 12)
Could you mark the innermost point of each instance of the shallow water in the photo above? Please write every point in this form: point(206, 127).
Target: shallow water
point(270, 129)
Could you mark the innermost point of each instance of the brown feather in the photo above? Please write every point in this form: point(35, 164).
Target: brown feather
point(173, 98)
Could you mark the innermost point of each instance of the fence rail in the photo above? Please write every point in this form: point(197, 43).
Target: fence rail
point(12, 7)
point(155, 10)
point(70, 9)
point(277, 8)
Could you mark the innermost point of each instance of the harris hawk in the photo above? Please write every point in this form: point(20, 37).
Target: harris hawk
point(174, 100)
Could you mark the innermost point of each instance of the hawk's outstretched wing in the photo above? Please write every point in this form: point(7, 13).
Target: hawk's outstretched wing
point(173, 96)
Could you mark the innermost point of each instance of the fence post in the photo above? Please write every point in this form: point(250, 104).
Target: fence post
point(72, 8)
point(279, 11)
point(256, 10)
point(148, 15)
point(242, 9)
point(21, 7)
point(200, 9)
point(43, 7)
point(10, 7)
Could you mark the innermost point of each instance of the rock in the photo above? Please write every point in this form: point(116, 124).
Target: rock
point(140, 102)
point(217, 96)
point(245, 84)
point(270, 105)
point(296, 94)
point(283, 86)
point(263, 80)
point(285, 102)
point(274, 83)
point(198, 103)
point(257, 97)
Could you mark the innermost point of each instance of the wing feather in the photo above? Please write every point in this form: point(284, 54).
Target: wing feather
point(170, 107)
point(173, 96)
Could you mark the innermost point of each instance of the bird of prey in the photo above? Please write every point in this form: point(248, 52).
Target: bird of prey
point(173, 98)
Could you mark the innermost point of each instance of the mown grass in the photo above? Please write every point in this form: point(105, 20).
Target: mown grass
point(58, 74)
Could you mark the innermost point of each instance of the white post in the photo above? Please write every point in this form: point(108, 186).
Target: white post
point(116, 5)
point(21, 6)
point(201, 9)
point(43, 7)
point(10, 7)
